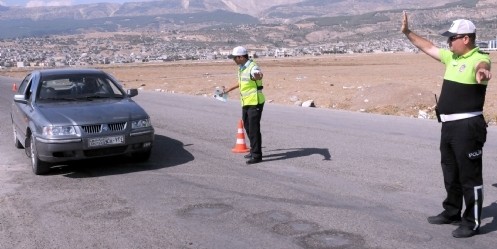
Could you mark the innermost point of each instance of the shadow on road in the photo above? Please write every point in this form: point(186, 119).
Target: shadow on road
point(490, 212)
point(296, 152)
point(167, 152)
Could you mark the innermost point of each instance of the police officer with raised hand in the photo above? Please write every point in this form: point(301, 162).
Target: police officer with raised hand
point(252, 100)
point(464, 130)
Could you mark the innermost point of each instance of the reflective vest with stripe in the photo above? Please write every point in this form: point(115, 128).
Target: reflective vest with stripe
point(250, 89)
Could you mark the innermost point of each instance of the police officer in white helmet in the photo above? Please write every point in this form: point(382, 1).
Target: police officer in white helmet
point(252, 100)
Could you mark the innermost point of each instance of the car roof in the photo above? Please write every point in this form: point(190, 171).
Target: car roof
point(68, 71)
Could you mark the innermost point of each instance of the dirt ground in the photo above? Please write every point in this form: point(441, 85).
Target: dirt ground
point(392, 84)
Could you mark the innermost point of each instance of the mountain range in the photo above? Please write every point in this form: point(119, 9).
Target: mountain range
point(327, 19)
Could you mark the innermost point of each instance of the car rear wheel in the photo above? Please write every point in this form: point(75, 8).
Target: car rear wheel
point(17, 143)
point(39, 167)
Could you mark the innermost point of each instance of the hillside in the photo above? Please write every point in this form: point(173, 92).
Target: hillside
point(274, 9)
point(289, 23)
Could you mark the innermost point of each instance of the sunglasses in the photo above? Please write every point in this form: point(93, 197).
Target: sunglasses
point(453, 38)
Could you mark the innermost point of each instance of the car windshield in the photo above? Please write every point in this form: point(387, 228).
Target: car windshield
point(74, 88)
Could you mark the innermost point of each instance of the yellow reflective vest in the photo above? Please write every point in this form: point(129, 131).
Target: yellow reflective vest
point(250, 89)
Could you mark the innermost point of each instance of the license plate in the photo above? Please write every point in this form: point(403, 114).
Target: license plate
point(103, 141)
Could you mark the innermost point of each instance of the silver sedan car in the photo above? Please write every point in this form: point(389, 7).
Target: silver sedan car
point(61, 115)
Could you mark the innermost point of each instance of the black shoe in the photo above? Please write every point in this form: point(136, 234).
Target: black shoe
point(442, 219)
point(249, 155)
point(254, 160)
point(464, 232)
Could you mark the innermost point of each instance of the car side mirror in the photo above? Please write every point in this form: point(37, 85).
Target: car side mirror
point(132, 92)
point(19, 98)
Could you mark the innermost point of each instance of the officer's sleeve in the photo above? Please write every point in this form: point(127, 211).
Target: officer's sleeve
point(445, 55)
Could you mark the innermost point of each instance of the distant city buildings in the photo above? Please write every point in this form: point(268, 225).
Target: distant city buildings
point(488, 45)
point(83, 51)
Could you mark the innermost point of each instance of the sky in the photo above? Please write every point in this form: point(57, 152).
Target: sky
point(38, 3)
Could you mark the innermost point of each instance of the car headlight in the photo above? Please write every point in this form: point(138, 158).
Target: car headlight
point(51, 131)
point(142, 123)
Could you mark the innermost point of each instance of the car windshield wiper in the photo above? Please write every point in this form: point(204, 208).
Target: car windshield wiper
point(90, 97)
point(106, 96)
point(96, 97)
point(58, 99)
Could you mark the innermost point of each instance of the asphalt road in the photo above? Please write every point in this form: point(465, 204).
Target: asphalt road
point(329, 179)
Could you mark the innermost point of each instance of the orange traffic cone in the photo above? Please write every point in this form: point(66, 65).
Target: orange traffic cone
point(14, 87)
point(240, 146)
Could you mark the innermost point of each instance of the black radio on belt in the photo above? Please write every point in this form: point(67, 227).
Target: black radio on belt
point(437, 112)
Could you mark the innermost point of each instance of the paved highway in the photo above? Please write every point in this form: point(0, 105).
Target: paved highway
point(329, 179)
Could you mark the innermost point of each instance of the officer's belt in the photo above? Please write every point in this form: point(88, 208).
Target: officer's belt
point(458, 116)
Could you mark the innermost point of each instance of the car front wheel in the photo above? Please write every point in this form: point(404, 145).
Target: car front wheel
point(39, 167)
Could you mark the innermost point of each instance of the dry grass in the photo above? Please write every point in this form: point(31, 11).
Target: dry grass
point(391, 84)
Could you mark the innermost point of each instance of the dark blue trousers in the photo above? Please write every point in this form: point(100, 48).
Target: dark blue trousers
point(461, 148)
point(251, 116)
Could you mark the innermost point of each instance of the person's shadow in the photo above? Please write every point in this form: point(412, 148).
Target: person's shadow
point(283, 154)
point(490, 212)
point(166, 152)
